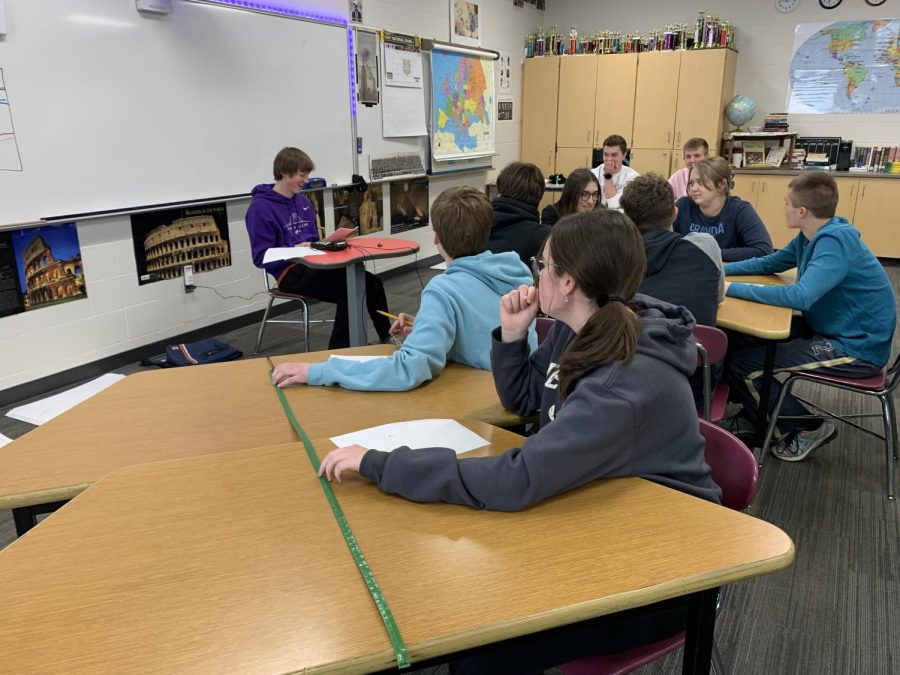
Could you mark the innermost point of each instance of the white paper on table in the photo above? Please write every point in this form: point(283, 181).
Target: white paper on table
point(416, 434)
point(344, 357)
point(289, 253)
point(46, 409)
point(440, 266)
point(4, 440)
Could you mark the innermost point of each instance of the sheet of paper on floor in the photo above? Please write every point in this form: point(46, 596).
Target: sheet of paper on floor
point(46, 409)
point(427, 433)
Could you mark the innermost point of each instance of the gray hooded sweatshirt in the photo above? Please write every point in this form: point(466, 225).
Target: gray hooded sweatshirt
point(621, 419)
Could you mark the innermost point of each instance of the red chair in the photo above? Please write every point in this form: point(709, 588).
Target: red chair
point(276, 294)
point(543, 326)
point(881, 386)
point(712, 344)
point(734, 469)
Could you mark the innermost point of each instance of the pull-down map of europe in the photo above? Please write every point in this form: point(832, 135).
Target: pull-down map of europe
point(846, 67)
point(462, 100)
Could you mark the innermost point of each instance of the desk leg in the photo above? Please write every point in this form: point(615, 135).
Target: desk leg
point(356, 287)
point(25, 517)
point(762, 417)
point(700, 632)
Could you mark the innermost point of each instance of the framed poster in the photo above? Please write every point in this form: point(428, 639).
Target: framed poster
point(465, 26)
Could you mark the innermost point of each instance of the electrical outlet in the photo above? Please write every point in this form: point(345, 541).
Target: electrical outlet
point(188, 278)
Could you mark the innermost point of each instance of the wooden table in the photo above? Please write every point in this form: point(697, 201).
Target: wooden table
point(197, 410)
point(768, 322)
point(353, 259)
point(233, 563)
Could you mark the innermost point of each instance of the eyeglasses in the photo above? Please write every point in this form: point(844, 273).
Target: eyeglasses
point(590, 196)
point(538, 266)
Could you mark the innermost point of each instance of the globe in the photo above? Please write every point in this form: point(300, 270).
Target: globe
point(740, 110)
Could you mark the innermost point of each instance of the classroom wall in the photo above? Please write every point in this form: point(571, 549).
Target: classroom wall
point(765, 41)
point(118, 315)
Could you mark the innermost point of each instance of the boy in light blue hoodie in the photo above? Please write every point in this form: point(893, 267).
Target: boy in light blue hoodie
point(846, 298)
point(457, 313)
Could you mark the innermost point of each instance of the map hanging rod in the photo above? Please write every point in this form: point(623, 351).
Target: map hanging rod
point(430, 44)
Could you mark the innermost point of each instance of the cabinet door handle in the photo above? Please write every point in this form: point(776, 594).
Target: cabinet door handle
point(679, 138)
point(852, 190)
point(589, 136)
point(863, 193)
point(668, 137)
point(752, 187)
point(763, 186)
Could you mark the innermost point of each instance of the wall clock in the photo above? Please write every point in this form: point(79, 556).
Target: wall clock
point(829, 4)
point(785, 6)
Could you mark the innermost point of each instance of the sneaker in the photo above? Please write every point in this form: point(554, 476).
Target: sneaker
point(392, 340)
point(738, 425)
point(796, 445)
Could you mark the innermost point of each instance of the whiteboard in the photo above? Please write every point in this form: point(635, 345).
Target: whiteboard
point(116, 110)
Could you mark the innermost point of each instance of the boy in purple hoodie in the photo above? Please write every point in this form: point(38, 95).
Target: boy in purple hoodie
point(280, 216)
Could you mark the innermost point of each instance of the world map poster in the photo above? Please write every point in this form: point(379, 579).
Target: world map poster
point(845, 67)
point(462, 106)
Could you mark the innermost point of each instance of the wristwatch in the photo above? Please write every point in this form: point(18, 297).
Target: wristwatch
point(607, 176)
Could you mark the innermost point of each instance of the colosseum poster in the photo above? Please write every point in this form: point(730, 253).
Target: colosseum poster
point(166, 241)
point(40, 266)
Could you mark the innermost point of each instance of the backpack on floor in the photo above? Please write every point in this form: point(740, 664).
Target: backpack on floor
point(195, 354)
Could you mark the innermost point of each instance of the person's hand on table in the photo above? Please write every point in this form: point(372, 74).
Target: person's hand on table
point(402, 324)
point(518, 310)
point(286, 374)
point(338, 461)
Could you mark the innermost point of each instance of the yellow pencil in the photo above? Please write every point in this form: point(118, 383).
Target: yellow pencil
point(394, 317)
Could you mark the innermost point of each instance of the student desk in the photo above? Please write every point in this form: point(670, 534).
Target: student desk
point(353, 258)
point(185, 412)
point(768, 322)
point(232, 562)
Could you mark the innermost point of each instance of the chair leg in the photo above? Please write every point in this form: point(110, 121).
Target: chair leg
point(305, 325)
point(262, 326)
point(770, 430)
point(890, 400)
point(718, 666)
point(890, 440)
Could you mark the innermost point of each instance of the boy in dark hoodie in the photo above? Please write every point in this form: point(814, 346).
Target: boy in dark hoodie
point(280, 216)
point(517, 223)
point(682, 270)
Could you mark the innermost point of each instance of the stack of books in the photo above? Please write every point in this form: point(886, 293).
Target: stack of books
point(776, 122)
point(797, 158)
point(875, 158)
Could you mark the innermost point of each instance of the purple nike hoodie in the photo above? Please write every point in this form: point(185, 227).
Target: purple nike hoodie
point(277, 221)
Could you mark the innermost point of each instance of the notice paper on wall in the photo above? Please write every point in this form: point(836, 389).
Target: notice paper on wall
point(416, 434)
point(403, 94)
point(46, 409)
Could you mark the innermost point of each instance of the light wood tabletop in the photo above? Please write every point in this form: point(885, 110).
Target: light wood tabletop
point(233, 563)
point(185, 412)
point(753, 318)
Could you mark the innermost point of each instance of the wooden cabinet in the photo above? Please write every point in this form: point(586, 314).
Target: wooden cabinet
point(540, 98)
point(866, 202)
point(656, 93)
point(848, 190)
point(569, 159)
point(705, 86)
point(770, 208)
point(577, 91)
point(876, 215)
point(657, 160)
point(615, 97)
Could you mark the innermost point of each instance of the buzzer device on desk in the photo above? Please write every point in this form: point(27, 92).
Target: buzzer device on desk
point(329, 245)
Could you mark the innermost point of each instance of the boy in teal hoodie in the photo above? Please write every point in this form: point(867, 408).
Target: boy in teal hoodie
point(457, 313)
point(847, 304)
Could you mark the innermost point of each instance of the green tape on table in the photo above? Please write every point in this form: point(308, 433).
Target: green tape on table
point(374, 590)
